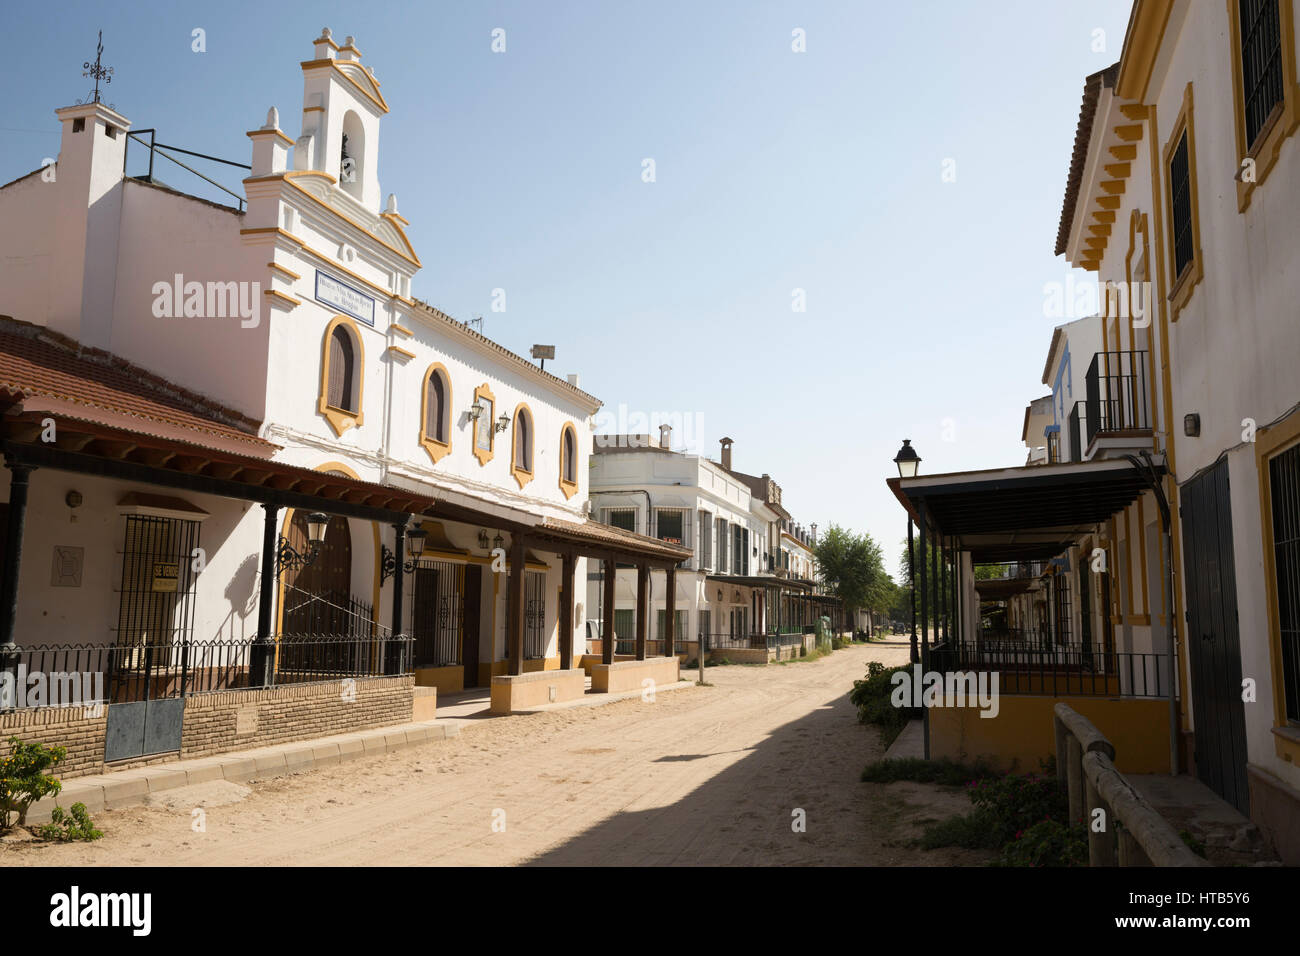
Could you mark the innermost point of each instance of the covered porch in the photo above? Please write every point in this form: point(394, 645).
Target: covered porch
point(1015, 598)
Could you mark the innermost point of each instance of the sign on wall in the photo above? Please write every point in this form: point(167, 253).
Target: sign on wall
point(166, 575)
point(339, 295)
point(68, 562)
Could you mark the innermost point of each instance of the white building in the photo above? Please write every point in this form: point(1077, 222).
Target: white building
point(270, 352)
point(751, 573)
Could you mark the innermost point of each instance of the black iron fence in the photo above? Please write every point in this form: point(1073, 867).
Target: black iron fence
point(1116, 390)
point(1058, 670)
point(42, 676)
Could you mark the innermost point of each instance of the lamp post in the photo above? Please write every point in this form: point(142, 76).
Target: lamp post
point(909, 462)
point(415, 541)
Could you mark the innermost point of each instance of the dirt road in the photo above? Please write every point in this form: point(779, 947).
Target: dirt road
point(705, 775)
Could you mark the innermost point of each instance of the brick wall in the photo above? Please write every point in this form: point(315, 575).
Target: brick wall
point(224, 721)
point(63, 727)
point(243, 719)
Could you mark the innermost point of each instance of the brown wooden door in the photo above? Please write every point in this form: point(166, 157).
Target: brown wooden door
point(472, 619)
point(316, 597)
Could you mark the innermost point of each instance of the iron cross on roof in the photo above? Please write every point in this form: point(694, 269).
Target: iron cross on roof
point(96, 70)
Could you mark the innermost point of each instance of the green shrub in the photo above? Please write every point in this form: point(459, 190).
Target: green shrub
point(1193, 844)
point(947, 772)
point(970, 831)
point(74, 825)
point(1048, 843)
point(872, 698)
point(23, 780)
point(1015, 803)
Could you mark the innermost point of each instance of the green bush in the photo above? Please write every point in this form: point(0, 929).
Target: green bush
point(1048, 843)
point(970, 831)
point(944, 771)
point(23, 780)
point(872, 698)
point(74, 825)
point(1015, 803)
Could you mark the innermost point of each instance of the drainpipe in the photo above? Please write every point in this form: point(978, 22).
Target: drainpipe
point(1147, 470)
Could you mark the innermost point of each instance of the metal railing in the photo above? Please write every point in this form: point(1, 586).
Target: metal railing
point(1116, 389)
point(158, 149)
point(1133, 833)
point(108, 674)
point(1058, 670)
point(732, 641)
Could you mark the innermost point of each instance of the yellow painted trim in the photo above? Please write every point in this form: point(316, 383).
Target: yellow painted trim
point(569, 488)
point(1108, 202)
point(435, 449)
point(1125, 152)
point(332, 263)
point(1148, 22)
point(398, 350)
point(313, 109)
point(1106, 217)
point(409, 254)
point(271, 230)
point(518, 471)
point(1192, 272)
point(341, 419)
point(1268, 144)
point(276, 267)
point(1133, 111)
point(1142, 554)
point(277, 294)
point(485, 455)
point(1113, 186)
point(1117, 170)
point(402, 329)
point(256, 133)
point(1156, 273)
point(1129, 133)
point(376, 97)
point(1269, 443)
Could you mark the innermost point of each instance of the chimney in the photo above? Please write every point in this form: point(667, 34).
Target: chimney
point(666, 437)
point(87, 210)
point(726, 452)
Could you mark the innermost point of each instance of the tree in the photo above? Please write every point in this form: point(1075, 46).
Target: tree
point(853, 568)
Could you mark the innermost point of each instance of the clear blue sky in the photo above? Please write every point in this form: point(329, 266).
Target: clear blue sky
point(775, 170)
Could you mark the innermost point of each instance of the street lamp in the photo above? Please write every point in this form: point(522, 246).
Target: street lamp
point(415, 540)
point(907, 460)
point(287, 557)
point(909, 463)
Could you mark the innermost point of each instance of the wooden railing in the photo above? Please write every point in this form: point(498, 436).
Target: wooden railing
point(1129, 831)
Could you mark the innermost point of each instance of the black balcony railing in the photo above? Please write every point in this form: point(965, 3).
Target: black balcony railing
point(1116, 388)
point(1058, 670)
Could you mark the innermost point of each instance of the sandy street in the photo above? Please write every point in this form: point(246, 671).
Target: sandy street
point(705, 775)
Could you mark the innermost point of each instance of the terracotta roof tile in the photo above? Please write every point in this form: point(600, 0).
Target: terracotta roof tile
point(51, 373)
point(1082, 135)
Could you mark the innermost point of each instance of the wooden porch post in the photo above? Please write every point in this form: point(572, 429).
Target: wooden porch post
point(642, 607)
point(567, 565)
point(515, 607)
point(18, 476)
point(607, 628)
point(670, 612)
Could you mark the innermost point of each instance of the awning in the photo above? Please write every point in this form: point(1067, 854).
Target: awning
point(1031, 512)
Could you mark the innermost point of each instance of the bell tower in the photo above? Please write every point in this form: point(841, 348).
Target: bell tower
point(341, 110)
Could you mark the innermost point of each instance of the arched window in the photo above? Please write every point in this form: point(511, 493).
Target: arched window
point(343, 369)
point(569, 460)
point(435, 424)
point(352, 155)
point(342, 376)
point(521, 463)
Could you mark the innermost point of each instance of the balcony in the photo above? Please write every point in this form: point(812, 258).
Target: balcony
point(1117, 409)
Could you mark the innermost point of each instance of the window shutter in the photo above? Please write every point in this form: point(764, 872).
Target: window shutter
point(433, 426)
point(339, 393)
